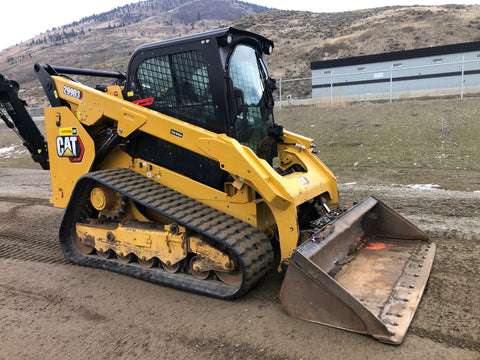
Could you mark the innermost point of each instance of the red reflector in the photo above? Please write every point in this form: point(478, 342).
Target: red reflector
point(144, 102)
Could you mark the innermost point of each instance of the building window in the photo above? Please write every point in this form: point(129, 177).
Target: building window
point(362, 68)
point(328, 72)
point(437, 60)
point(397, 65)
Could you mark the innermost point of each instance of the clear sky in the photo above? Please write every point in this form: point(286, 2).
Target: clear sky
point(23, 19)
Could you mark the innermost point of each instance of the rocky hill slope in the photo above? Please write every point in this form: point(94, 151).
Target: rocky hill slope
point(106, 41)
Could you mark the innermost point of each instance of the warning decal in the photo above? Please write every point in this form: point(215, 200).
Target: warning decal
point(71, 147)
point(68, 131)
point(303, 180)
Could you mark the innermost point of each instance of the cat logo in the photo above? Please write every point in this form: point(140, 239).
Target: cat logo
point(71, 147)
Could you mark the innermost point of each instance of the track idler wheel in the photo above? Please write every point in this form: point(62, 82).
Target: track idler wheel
point(233, 277)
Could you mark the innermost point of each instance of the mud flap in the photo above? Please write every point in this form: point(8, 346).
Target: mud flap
point(365, 272)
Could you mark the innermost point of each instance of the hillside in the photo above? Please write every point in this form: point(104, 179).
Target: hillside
point(106, 41)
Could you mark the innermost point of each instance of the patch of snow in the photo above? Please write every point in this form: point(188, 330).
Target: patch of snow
point(13, 152)
point(6, 150)
point(418, 186)
point(423, 186)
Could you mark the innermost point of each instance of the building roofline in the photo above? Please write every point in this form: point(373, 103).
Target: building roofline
point(397, 55)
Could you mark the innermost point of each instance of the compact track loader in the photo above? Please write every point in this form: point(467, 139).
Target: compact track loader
point(177, 174)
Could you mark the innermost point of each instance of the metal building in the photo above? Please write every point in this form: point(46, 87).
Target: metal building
point(411, 73)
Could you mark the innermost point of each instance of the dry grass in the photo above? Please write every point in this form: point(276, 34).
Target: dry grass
point(438, 134)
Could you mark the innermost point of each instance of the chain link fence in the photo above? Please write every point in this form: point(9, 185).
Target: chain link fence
point(396, 82)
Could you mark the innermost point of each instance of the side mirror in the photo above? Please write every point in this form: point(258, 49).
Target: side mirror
point(239, 100)
point(272, 83)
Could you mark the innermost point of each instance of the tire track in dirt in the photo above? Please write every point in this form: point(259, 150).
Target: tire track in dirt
point(24, 200)
point(29, 229)
point(20, 247)
point(47, 299)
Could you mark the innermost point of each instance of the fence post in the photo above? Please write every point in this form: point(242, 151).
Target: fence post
point(463, 72)
point(280, 91)
point(391, 82)
point(331, 88)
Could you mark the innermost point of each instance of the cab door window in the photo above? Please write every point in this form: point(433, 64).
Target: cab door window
point(180, 86)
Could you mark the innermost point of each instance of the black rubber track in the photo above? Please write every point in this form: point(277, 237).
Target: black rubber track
point(250, 246)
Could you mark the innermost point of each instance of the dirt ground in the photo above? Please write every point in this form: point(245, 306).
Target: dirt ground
point(53, 309)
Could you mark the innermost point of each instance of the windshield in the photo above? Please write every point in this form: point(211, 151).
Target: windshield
point(252, 125)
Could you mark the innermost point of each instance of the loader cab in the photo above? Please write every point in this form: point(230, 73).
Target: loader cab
point(216, 80)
